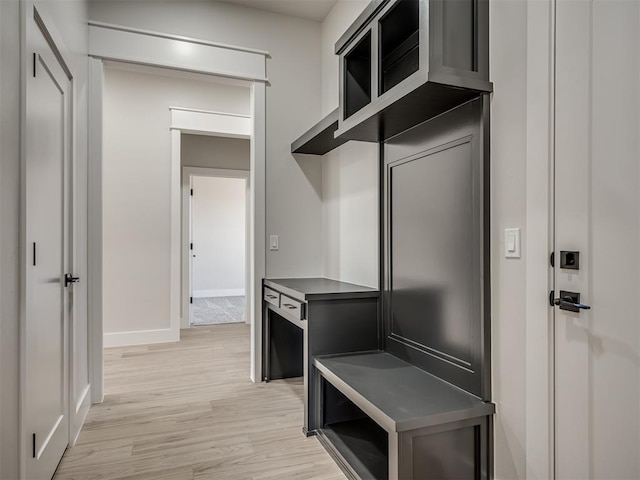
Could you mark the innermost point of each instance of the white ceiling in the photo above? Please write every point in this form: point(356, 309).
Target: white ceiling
point(309, 9)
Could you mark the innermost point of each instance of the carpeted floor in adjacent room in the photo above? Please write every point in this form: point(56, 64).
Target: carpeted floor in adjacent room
point(217, 310)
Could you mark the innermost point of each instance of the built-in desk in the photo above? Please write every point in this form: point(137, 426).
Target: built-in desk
point(305, 317)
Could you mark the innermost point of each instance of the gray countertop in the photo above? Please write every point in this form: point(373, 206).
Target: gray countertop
point(305, 289)
point(397, 395)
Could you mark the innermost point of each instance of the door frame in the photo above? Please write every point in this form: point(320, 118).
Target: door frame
point(538, 245)
point(198, 122)
point(208, 123)
point(157, 49)
point(187, 174)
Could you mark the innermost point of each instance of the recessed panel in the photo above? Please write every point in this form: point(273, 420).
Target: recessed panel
point(432, 272)
point(448, 455)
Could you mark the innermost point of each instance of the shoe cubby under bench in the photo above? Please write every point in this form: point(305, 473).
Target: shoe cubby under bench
point(383, 418)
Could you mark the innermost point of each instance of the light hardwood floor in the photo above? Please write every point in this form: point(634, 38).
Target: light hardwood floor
point(187, 410)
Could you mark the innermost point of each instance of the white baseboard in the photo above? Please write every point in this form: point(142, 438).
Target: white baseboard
point(231, 292)
point(143, 337)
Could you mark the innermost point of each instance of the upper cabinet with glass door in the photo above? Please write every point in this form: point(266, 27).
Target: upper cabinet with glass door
point(405, 61)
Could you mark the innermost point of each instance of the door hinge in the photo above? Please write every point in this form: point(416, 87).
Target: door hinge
point(34, 254)
point(33, 443)
point(191, 246)
point(190, 299)
point(35, 61)
point(552, 296)
point(552, 259)
point(192, 192)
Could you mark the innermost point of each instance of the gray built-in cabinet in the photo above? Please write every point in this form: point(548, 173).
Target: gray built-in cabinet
point(421, 407)
point(414, 78)
point(404, 62)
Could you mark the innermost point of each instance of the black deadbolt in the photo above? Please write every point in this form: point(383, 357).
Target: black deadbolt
point(570, 260)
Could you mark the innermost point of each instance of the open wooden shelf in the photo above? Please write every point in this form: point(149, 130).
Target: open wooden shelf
point(363, 445)
point(319, 139)
point(399, 33)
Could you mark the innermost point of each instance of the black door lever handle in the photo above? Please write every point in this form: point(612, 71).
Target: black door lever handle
point(568, 302)
point(69, 278)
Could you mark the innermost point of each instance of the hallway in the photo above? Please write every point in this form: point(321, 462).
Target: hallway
point(188, 411)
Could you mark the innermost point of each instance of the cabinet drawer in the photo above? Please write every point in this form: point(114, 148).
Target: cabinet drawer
point(272, 297)
point(292, 307)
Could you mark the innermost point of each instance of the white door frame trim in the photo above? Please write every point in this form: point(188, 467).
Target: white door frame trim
point(187, 173)
point(94, 226)
point(169, 36)
point(198, 122)
point(144, 47)
point(216, 124)
point(540, 154)
point(147, 50)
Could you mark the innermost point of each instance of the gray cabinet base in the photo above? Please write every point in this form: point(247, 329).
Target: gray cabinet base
point(369, 438)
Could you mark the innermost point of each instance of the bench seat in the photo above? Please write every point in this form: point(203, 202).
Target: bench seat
point(418, 411)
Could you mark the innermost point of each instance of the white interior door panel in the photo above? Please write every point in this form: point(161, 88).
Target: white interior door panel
point(597, 213)
point(46, 389)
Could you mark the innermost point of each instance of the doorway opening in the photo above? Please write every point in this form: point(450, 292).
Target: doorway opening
point(164, 54)
point(158, 122)
point(215, 246)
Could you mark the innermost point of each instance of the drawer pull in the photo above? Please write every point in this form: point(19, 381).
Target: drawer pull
point(289, 306)
point(270, 296)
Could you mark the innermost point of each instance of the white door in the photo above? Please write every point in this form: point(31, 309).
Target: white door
point(597, 213)
point(45, 403)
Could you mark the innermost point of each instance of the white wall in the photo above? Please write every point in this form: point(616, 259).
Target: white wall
point(69, 19)
point(350, 174)
point(136, 191)
point(215, 152)
point(350, 213)
point(508, 209)
point(293, 105)
point(9, 236)
point(218, 234)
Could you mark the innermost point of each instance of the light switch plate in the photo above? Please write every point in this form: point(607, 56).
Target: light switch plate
point(512, 242)
point(274, 241)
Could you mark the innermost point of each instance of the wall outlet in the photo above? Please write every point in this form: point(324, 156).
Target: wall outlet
point(274, 242)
